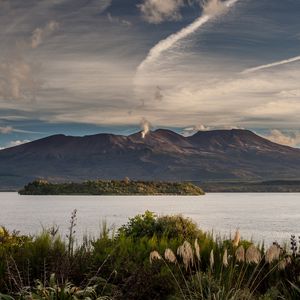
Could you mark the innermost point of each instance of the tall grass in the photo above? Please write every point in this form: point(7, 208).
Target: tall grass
point(232, 272)
point(150, 257)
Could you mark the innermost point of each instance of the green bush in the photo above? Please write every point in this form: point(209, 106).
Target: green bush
point(170, 227)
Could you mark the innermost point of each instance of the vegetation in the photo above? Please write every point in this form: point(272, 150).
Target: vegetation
point(111, 187)
point(148, 258)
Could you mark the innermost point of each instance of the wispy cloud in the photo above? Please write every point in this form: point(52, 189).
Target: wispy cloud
point(18, 80)
point(6, 130)
point(211, 9)
point(289, 139)
point(214, 7)
point(194, 129)
point(17, 143)
point(14, 144)
point(10, 129)
point(272, 65)
point(39, 34)
point(116, 20)
point(19, 76)
point(157, 11)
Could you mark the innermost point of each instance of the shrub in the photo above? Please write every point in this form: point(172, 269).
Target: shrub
point(171, 227)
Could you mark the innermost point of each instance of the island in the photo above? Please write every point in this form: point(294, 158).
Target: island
point(111, 187)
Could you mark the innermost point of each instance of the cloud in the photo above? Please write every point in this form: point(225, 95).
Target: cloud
point(213, 7)
point(39, 34)
point(188, 131)
point(5, 5)
point(295, 93)
point(170, 41)
point(116, 20)
point(14, 144)
point(277, 136)
point(272, 65)
point(281, 108)
point(158, 95)
point(10, 129)
point(158, 11)
point(6, 130)
point(88, 72)
point(17, 79)
point(17, 143)
point(194, 129)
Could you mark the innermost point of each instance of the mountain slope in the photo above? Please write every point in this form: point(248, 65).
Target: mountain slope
point(161, 155)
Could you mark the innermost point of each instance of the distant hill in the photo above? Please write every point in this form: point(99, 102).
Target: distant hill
point(161, 155)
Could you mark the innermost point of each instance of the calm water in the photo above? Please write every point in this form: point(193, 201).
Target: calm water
point(265, 217)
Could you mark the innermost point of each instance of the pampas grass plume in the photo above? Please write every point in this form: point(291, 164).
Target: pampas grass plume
point(185, 251)
point(170, 256)
point(236, 239)
point(154, 255)
point(253, 255)
point(240, 254)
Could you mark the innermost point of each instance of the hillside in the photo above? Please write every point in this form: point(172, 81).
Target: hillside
point(163, 155)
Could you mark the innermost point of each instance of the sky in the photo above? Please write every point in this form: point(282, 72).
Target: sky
point(80, 67)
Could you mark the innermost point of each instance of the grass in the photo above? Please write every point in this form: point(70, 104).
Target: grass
point(150, 257)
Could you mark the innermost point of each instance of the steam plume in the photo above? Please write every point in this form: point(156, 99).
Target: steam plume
point(145, 125)
point(272, 65)
point(211, 8)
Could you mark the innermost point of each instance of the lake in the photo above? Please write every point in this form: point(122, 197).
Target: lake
point(263, 216)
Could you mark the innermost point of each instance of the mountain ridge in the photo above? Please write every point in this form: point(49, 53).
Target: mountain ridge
point(162, 155)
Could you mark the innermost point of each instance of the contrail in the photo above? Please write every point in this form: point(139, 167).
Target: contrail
point(167, 43)
point(272, 65)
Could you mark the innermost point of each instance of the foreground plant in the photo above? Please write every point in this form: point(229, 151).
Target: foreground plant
point(184, 263)
point(233, 272)
point(54, 290)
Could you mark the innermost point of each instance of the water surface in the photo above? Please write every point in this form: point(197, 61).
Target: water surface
point(263, 216)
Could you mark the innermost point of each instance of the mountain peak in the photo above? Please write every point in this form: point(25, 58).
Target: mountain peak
point(242, 139)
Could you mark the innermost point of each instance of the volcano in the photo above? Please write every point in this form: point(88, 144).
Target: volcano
point(162, 155)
